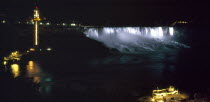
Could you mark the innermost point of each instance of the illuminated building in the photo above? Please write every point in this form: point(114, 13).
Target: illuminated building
point(161, 94)
point(179, 22)
point(13, 56)
point(36, 26)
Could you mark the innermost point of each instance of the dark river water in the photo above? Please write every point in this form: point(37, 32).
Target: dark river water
point(106, 67)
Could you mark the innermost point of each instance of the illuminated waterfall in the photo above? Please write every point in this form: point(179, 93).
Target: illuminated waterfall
point(154, 32)
point(135, 39)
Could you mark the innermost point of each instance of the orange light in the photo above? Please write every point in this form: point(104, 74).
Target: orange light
point(37, 19)
point(32, 49)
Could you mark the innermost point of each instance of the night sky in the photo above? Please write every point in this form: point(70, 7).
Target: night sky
point(111, 11)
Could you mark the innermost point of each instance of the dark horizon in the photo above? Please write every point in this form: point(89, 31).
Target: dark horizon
point(114, 12)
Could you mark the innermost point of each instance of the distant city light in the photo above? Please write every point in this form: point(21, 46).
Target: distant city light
point(32, 49)
point(64, 24)
point(47, 23)
point(41, 23)
point(5, 62)
point(49, 49)
point(3, 21)
point(73, 24)
point(182, 22)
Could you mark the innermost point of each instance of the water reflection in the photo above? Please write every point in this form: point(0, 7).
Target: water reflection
point(33, 71)
point(15, 69)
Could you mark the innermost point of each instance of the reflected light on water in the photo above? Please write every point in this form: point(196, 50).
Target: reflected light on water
point(15, 70)
point(33, 71)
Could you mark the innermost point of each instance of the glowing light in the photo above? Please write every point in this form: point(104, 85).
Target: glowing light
point(64, 24)
point(159, 95)
point(182, 22)
point(36, 15)
point(3, 21)
point(49, 49)
point(33, 71)
point(124, 41)
point(47, 23)
point(160, 32)
point(152, 99)
point(32, 49)
point(132, 30)
point(36, 33)
point(73, 24)
point(36, 20)
point(108, 30)
point(41, 23)
point(31, 64)
point(157, 32)
point(171, 31)
point(5, 62)
point(146, 30)
point(13, 56)
point(15, 70)
point(153, 33)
